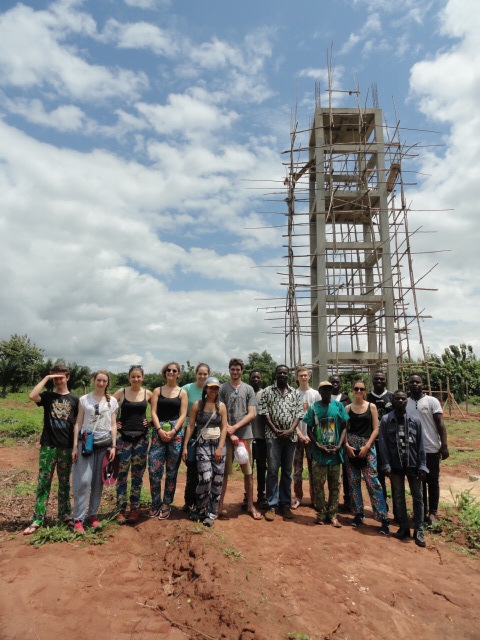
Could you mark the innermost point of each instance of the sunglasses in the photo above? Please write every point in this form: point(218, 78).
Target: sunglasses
point(135, 366)
point(171, 370)
point(359, 388)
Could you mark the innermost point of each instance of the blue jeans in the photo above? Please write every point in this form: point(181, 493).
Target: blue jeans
point(397, 480)
point(280, 453)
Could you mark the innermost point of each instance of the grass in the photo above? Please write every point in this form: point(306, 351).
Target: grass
point(463, 434)
point(19, 419)
point(461, 524)
point(61, 533)
point(231, 552)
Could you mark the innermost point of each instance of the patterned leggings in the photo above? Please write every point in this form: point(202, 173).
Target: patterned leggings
point(210, 477)
point(131, 455)
point(51, 457)
point(370, 477)
point(329, 473)
point(168, 455)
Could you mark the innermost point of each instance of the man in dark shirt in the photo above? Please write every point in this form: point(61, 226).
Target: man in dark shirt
point(383, 400)
point(402, 455)
point(60, 408)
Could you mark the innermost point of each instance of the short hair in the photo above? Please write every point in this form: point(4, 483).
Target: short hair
point(60, 367)
point(417, 375)
point(236, 362)
point(300, 369)
point(164, 369)
point(202, 364)
point(254, 371)
point(399, 391)
point(375, 373)
point(282, 366)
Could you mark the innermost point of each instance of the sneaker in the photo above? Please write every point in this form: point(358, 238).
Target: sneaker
point(93, 522)
point(384, 529)
point(132, 516)
point(358, 520)
point(208, 522)
point(195, 516)
point(121, 519)
point(401, 534)
point(419, 539)
point(78, 527)
point(270, 515)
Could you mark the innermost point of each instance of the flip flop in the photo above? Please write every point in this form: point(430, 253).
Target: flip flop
point(255, 514)
point(164, 513)
point(223, 515)
point(295, 504)
point(335, 523)
point(31, 529)
point(153, 513)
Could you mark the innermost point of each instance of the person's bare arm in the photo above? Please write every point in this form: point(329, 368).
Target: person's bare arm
point(442, 432)
point(35, 392)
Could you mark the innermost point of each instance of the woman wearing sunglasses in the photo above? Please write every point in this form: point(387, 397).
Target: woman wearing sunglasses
point(96, 415)
point(169, 410)
point(362, 459)
point(132, 442)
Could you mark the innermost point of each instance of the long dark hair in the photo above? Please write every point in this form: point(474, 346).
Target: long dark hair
point(217, 400)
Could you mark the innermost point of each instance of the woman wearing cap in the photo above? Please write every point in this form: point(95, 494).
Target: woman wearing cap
point(194, 393)
point(169, 410)
point(209, 417)
point(362, 459)
point(132, 443)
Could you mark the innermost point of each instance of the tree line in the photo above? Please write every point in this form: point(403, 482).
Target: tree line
point(23, 363)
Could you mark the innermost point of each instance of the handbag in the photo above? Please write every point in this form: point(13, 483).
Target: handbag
point(191, 451)
point(87, 443)
point(104, 443)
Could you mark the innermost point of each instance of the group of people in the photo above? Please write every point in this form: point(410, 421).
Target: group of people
point(208, 425)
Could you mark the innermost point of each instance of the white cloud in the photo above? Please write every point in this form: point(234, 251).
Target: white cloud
point(140, 35)
point(32, 56)
point(447, 87)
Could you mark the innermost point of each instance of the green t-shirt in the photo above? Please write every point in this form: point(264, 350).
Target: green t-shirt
point(327, 424)
point(194, 393)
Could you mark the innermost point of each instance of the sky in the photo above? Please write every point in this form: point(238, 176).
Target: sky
point(141, 165)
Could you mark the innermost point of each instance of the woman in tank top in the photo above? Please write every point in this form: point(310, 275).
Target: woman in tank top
point(208, 418)
point(132, 443)
point(169, 410)
point(194, 393)
point(362, 460)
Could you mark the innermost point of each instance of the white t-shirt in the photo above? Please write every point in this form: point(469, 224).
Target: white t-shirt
point(101, 412)
point(424, 410)
point(308, 397)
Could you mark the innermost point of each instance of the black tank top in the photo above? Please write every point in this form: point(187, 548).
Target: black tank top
point(133, 415)
point(360, 423)
point(168, 408)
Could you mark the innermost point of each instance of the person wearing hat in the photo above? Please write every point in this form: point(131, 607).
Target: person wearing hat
point(208, 417)
point(326, 422)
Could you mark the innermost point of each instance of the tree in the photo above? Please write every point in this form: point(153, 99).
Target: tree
point(262, 362)
point(460, 365)
point(20, 360)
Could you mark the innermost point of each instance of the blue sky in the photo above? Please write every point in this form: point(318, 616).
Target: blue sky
point(140, 140)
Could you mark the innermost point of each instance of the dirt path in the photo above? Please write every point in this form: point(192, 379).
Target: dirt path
point(240, 580)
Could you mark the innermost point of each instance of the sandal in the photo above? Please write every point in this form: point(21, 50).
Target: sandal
point(295, 504)
point(255, 514)
point(335, 523)
point(68, 521)
point(164, 513)
point(31, 529)
point(319, 519)
point(153, 513)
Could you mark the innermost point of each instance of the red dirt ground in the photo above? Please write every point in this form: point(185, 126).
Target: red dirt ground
point(240, 580)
